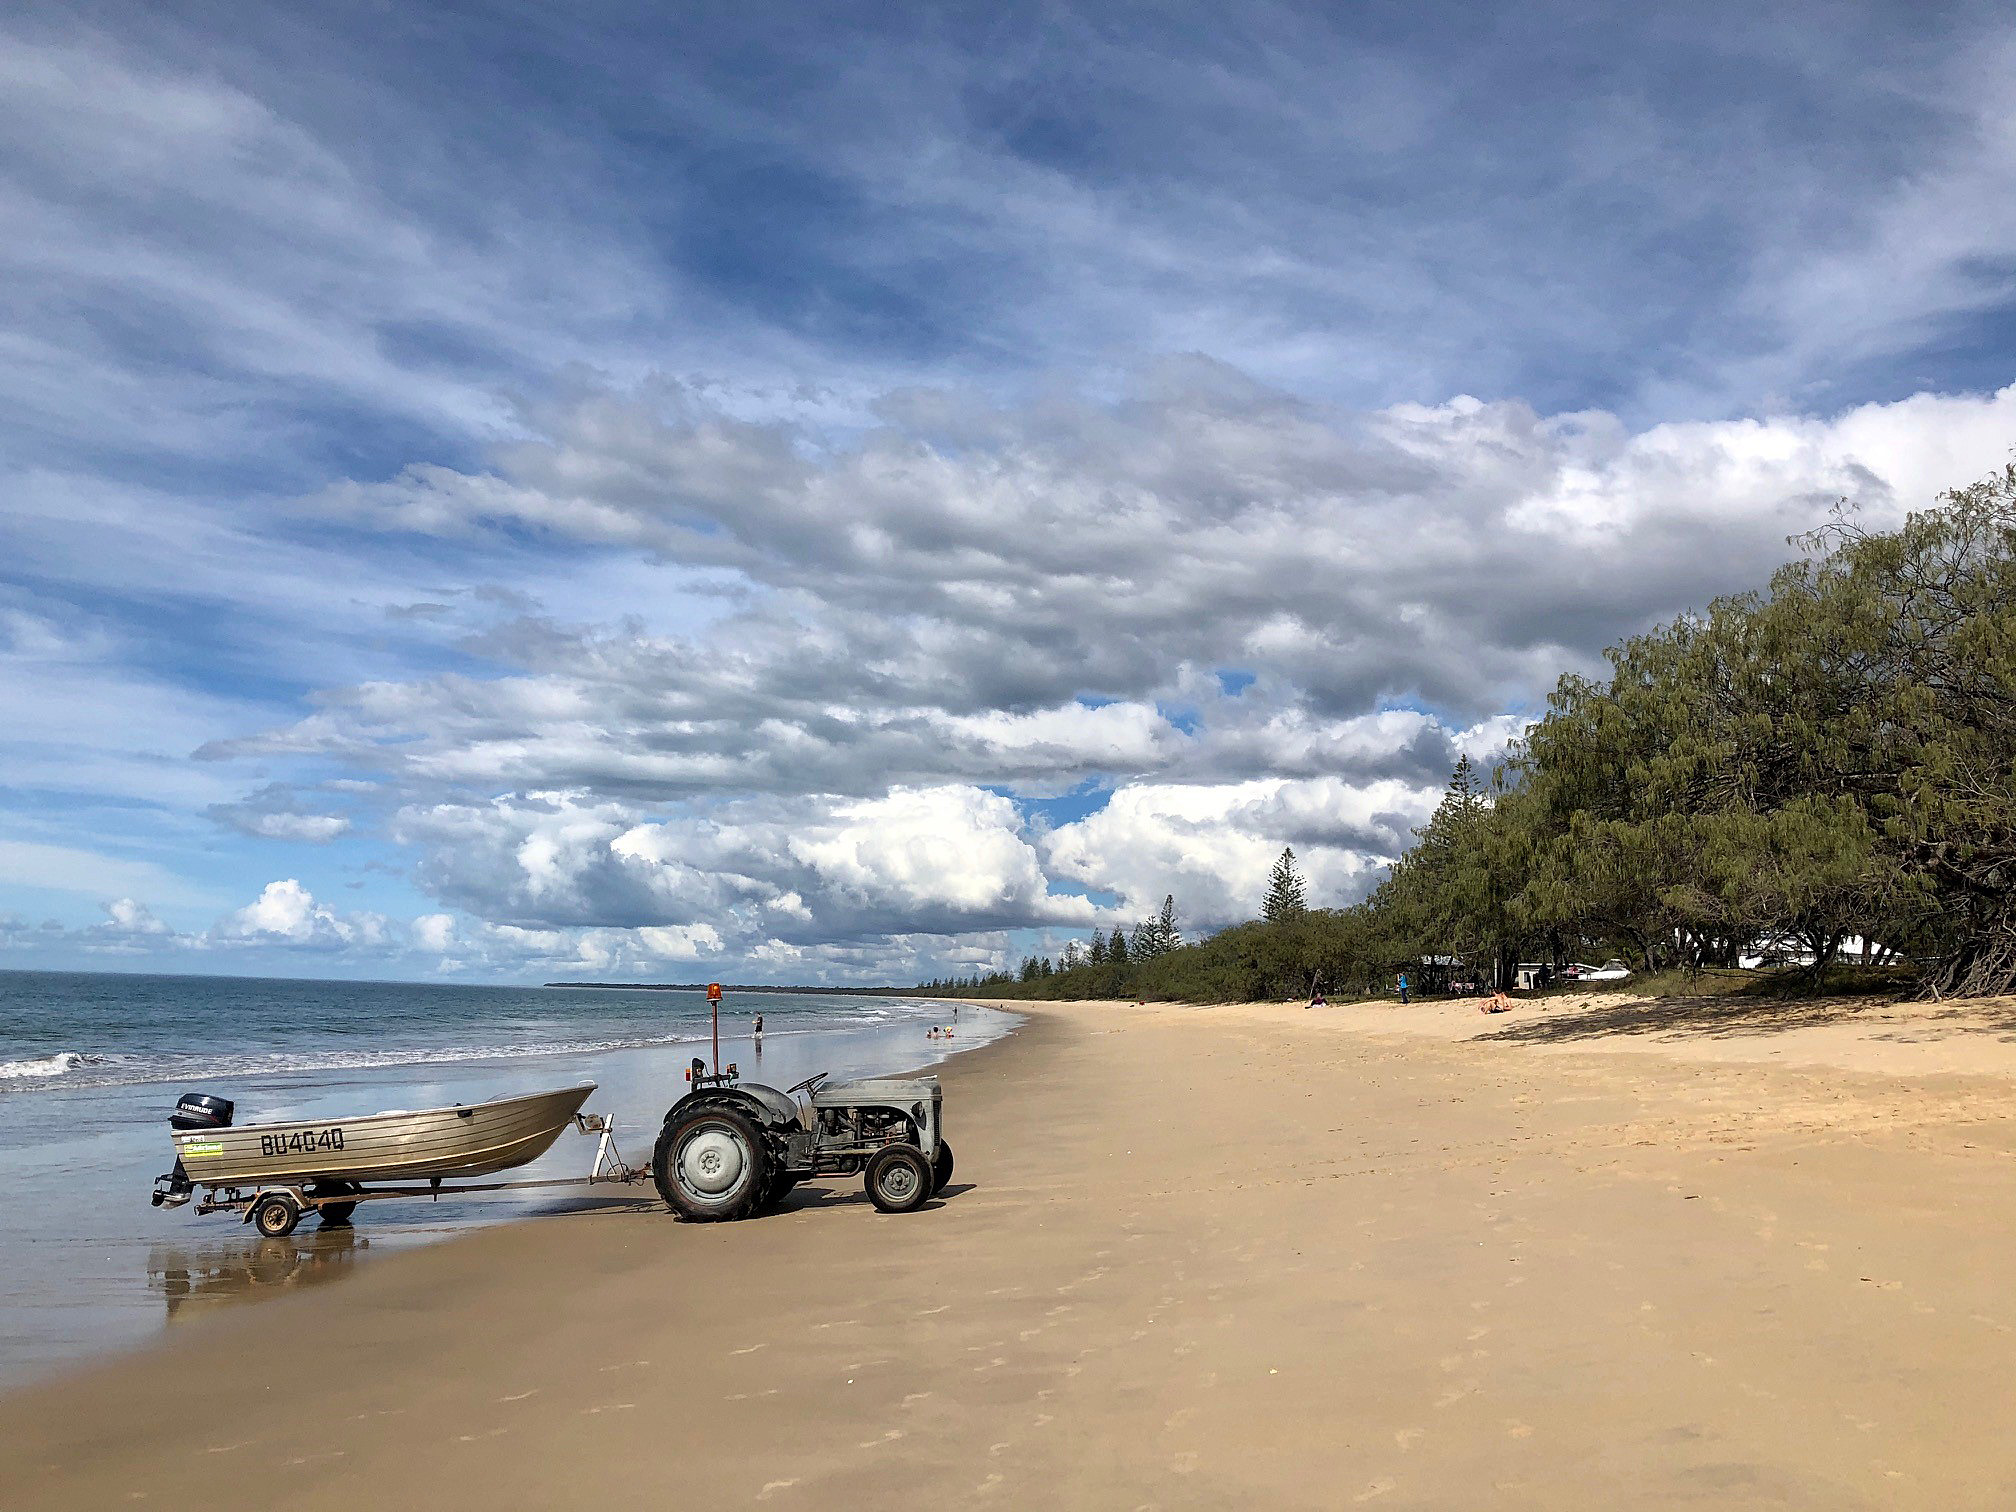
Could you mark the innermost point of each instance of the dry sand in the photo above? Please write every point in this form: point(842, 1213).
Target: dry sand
point(1234, 1257)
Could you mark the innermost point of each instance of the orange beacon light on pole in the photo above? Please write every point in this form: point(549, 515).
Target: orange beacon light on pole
point(714, 1002)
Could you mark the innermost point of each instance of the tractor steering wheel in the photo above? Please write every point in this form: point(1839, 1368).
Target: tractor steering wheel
point(809, 1083)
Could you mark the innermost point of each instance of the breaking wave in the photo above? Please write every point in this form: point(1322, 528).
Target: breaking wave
point(46, 1066)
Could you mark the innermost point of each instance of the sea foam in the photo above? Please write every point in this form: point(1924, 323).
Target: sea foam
point(48, 1065)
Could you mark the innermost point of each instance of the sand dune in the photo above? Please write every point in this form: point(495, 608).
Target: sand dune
point(1251, 1256)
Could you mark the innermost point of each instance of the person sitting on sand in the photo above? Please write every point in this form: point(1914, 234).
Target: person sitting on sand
point(1318, 1001)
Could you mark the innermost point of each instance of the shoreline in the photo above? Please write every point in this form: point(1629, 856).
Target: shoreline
point(1191, 1257)
point(401, 1248)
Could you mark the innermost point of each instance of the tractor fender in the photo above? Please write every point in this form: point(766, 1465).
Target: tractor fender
point(770, 1108)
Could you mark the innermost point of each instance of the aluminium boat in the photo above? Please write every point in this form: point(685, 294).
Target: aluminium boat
point(433, 1144)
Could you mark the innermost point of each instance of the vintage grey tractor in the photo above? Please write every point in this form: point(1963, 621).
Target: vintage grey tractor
point(732, 1149)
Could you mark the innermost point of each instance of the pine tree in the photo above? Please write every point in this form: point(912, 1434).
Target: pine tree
point(1095, 951)
point(1287, 895)
point(1116, 948)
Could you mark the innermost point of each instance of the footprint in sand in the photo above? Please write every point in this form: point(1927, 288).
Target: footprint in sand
point(1516, 1429)
point(1377, 1489)
point(773, 1486)
point(1184, 1463)
point(1406, 1436)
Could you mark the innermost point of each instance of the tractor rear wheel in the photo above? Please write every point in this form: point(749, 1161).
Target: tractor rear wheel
point(941, 1168)
point(711, 1166)
point(899, 1179)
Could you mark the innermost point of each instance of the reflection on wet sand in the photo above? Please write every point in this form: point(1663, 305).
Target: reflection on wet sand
point(191, 1279)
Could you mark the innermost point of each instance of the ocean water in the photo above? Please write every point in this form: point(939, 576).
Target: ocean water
point(91, 1065)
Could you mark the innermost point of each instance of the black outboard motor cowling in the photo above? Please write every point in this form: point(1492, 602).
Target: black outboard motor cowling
point(199, 1110)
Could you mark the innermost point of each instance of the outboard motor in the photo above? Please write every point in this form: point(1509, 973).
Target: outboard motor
point(193, 1110)
point(199, 1110)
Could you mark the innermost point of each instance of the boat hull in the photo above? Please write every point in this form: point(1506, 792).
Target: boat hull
point(462, 1141)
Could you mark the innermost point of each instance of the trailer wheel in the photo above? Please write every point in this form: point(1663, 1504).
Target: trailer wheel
point(941, 1168)
point(899, 1179)
point(334, 1214)
point(711, 1166)
point(275, 1215)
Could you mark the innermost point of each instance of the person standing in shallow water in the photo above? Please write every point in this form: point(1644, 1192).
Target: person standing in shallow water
point(1403, 986)
point(759, 1031)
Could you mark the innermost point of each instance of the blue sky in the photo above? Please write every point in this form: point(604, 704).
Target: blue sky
point(837, 492)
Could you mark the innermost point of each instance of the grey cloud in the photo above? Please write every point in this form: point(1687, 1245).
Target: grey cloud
point(277, 812)
point(801, 872)
point(1459, 555)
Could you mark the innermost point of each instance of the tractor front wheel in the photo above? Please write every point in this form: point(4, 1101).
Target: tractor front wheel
point(899, 1179)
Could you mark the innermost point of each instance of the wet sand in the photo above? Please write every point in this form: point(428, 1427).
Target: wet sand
point(1229, 1257)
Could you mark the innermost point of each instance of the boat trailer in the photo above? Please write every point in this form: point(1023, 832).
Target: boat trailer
point(276, 1208)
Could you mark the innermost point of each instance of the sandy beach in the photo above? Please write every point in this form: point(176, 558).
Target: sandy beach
point(1596, 1255)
